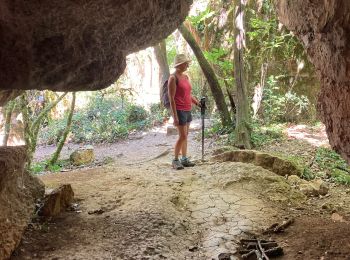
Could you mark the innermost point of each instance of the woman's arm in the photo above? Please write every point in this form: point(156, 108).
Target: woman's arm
point(171, 93)
point(195, 101)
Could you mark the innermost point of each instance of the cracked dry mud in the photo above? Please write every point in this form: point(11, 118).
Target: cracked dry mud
point(151, 211)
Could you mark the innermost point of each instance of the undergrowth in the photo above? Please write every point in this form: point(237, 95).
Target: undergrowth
point(103, 119)
point(332, 165)
point(323, 163)
point(39, 167)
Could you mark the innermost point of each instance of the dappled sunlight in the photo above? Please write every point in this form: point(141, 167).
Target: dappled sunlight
point(315, 136)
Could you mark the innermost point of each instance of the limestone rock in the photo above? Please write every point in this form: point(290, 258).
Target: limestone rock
point(18, 193)
point(264, 160)
point(321, 187)
point(328, 206)
point(275, 164)
point(324, 28)
point(295, 180)
point(57, 201)
point(278, 190)
point(314, 188)
point(65, 45)
point(284, 167)
point(83, 155)
point(245, 156)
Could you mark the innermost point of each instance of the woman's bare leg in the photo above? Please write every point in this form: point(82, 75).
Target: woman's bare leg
point(184, 144)
point(180, 141)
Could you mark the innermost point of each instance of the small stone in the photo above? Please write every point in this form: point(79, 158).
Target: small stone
point(57, 201)
point(314, 188)
point(83, 155)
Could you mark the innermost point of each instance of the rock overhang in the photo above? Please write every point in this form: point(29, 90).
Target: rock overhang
point(323, 26)
point(77, 45)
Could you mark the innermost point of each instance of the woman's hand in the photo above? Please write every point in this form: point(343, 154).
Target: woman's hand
point(176, 122)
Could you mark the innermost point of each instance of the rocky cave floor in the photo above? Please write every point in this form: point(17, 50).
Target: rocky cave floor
point(137, 207)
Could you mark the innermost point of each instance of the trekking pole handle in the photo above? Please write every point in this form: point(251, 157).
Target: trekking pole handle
point(202, 105)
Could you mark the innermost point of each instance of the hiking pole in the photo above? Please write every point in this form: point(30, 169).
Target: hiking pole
point(202, 104)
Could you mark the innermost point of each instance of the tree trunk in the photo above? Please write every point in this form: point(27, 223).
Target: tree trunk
point(32, 126)
point(232, 101)
point(210, 76)
point(8, 115)
point(259, 89)
point(243, 131)
point(66, 131)
point(160, 52)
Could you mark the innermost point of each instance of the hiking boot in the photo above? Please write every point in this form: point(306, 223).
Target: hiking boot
point(177, 165)
point(187, 163)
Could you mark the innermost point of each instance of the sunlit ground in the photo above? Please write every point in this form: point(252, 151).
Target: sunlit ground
point(316, 137)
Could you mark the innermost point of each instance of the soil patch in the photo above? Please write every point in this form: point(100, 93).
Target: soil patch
point(315, 237)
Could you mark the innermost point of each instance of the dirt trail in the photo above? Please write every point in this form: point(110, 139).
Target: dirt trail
point(151, 211)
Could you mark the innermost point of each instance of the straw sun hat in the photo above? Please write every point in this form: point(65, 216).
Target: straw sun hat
point(179, 59)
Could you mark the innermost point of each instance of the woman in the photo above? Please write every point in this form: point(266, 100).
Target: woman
point(179, 91)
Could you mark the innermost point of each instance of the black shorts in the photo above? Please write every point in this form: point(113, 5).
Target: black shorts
point(185, 117)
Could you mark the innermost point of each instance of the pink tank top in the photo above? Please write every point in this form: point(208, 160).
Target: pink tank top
point(183, 98)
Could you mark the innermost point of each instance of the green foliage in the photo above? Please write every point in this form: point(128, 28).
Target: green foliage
point(307, 174)
point(287, 97)
point(333, 165)
point(103, 120)
point(326, 164)
point(262, 135)
point(136, 113)
point(340, 177)
point(218, 58)
point(216, 129)
point(158, 113)
point(282, 107)
point(171, 49)
point(198, 20)
point(52, 132)
point(40, 167)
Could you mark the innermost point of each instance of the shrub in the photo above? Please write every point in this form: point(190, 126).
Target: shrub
point(104, 119)
point(136, 113)
point(262, 135)
point(282, 107)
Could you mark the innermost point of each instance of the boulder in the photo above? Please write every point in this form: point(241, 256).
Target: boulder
point(83, 155)
point(68, 46)
point(245, 156)
point(18, 193)
point(295, 180)
point(314, 188)
point(264, 160)
point(57, 201)
point(275, 164)
point(283, 167)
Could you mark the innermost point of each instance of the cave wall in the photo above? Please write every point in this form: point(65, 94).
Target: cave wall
point(19, 191)
point(323, 26)
point(78, 45)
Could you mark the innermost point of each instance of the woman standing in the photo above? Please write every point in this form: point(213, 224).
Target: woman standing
point(180, 97)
